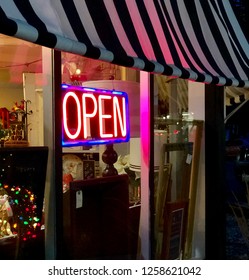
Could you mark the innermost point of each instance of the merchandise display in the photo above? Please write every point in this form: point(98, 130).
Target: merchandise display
point(22, 184)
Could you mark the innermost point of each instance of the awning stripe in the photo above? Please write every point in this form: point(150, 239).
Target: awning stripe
point(231, 43)
point(107, 34)
point(11, 10)
point(141, 30)
point(158, 29)
point(178, 58)
point(167, 35)
point(119, 29)
point(186, 39)
point(89, 23)
point(235, 32)
point(235, 95)
point(64, 27)
point(30, 16)
point(196, 40)
point(125, 19)
point(220, 40)
point(79, 29)
point(203, 35)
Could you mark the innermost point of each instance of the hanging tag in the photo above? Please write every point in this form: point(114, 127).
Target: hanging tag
point(79, 199)
point(189, 159)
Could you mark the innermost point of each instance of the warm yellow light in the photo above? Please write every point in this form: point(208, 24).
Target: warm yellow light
point(77, 71)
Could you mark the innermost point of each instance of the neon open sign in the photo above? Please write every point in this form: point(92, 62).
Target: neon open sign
point(94, 116)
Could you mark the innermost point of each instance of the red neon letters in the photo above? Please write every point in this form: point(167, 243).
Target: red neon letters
point(92, 116)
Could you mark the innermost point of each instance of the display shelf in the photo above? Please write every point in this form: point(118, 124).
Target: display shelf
point(80, 149)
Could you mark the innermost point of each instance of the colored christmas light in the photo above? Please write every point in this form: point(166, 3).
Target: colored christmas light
point(25, 220)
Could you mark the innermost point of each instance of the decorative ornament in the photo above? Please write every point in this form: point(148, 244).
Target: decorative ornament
point(109, 157)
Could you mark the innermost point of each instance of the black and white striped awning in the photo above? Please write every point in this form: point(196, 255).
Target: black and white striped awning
point(200, 40)
point(235, 95)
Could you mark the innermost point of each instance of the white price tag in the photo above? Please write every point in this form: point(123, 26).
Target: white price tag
point(189, 159)
point(79, 199)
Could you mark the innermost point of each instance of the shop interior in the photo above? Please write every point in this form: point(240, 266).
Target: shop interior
point(172, 197)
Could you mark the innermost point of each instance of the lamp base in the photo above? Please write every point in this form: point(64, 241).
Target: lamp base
point(109, 157)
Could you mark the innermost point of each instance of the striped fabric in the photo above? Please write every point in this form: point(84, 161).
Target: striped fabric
point(236, 95)
point(199, 40)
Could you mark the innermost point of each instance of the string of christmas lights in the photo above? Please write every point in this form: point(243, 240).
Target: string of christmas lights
point(20, 216)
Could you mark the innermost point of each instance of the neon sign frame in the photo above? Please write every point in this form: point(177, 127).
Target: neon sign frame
point(92, 116)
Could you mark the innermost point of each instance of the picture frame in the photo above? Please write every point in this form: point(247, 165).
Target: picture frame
point(88, 169)
point(174, 229)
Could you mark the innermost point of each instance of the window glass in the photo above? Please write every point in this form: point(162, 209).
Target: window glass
point(22, 176)
point(177, 138)
point(85, 167)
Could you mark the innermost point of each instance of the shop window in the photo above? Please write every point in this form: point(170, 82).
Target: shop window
point(86, 165)
point(177, 138)
point(23, 157)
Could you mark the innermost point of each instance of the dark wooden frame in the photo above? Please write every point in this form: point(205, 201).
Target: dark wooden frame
point(98, 226)
point(175, 216)
point(88, 169)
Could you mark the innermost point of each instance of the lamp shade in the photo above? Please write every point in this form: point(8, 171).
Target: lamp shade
point(135, 154)
point(160, 137)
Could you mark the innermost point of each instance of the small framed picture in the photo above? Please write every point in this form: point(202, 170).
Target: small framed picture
point(174, 229)
point(88, 169)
